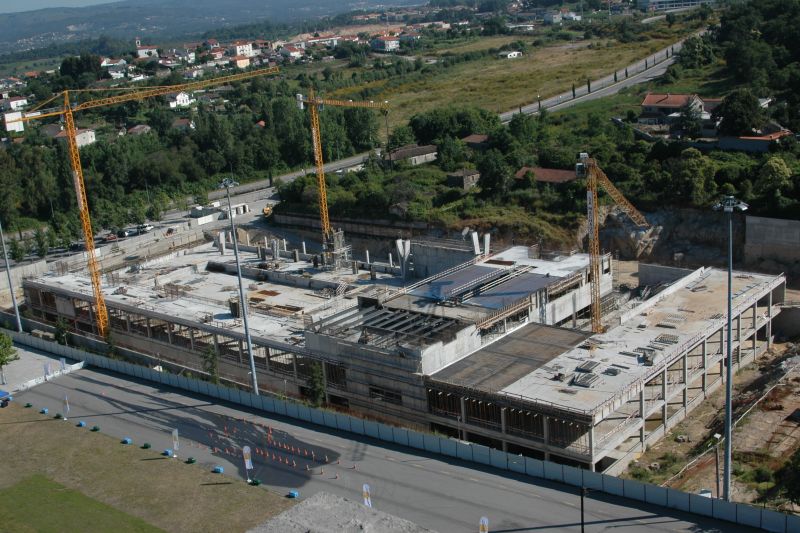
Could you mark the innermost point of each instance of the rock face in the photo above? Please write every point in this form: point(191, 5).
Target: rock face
point(326, 513)
point(684, 237)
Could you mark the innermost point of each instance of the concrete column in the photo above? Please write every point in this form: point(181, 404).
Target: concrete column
point(266, 246)
point(128, 323)
point(685, 382)
point(391, 262)
point(216, 343)
point(503, 426)
point(575, 314)
point(304, 247)
point(463, 418)
point(705, 365)
point(222, 242)
point(367, 254)
point(641, 415)
point(149, 330)
point(325, 379)
point(294, 366)
point(284, 245)
point(546, 431)
point(664, 398)
point(191, 338)
point(591, 446)
point(241, 351)
point(739, 328)
point(769, 321)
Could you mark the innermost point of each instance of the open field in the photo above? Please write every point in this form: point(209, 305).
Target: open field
point(23, 506)
point(110, 479)
point(500, 84)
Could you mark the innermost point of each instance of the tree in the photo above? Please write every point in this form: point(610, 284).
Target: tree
point(316, 385)
point(495, 174)
point(211, 363)
point(740, 113)
point(41, 243)
point(789, 478)
point(671, 19)
point(16, 250)
point(8, 354)
point(773, 177)
point(401, 136)
point(62, 332)
point(690, 121)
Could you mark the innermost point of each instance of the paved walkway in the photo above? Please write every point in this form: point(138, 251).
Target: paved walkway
point(30, 365)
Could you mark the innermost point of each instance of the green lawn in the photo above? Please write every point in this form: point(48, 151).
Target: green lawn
point(40, 505)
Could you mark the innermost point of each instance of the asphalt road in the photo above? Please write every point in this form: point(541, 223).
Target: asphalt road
point(443, 494)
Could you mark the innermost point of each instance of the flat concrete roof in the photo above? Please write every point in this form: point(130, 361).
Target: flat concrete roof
point(670, 322)
point(179, 286)
point(501, 363)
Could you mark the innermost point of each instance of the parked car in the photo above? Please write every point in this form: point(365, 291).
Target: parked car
point(126, 232)
point(144, 228)
point(111, 237)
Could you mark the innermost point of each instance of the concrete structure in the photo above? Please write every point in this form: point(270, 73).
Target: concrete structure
point(385, 44)
point(180, 99)
point(414, 154)
point(241, 48)
point(552, 18)
point(465, 178)
point(485, 347)
point(13, 122)
point(83, 137)
point(771, 238)
point(666, 5)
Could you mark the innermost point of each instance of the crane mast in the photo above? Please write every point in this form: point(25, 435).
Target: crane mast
point(595, 179)
point(334, 250)
point(67, 111)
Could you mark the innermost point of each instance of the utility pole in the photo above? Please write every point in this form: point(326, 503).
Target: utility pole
point(728, 205)
point(226, 184)
point(10, 283)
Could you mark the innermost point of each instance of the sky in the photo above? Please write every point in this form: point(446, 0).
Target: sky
point(13, 6)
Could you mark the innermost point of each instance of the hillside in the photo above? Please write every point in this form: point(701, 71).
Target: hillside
point(156, 18)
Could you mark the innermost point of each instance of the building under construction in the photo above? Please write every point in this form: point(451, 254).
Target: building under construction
point(449, 337)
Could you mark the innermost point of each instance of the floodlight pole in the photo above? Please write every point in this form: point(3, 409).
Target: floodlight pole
point(227, 183)
point(728, 204)
point(10, 283)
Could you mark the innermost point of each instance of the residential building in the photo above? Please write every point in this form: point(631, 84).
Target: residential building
point(292, 52)
point(240, 61)
point(193, 73)
point(476, 141)
point(241, 48)
point(754, 143)
point(413, 154)
point(139, 129)
point(83, 137)
point(183, 124)
point(666, 5)
point(546, 175)
point(552, 18)
point(385, 44)
point(180, 99)
point(657, 107)
point(14, 103)
point(112, 62)
point(13, 122)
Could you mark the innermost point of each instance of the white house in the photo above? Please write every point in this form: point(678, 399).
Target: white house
point(385, 44)
point(180, 99)
point(241, 48)
point(510, 54)
point(240, 61)
point(292, 52)
point(571, 16)
point(113, 62)
point(146, 51)
point(82, 137)
point(14, 103)
point(9, 119)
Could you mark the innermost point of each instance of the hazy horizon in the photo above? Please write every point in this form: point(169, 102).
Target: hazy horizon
point(17, 6)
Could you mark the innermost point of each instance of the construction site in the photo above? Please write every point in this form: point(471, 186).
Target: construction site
point(525, 350)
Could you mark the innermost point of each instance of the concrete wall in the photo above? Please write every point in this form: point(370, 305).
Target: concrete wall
point(772, 238)
point(373, 228)
point(18, 273)
point(439, 355)
point(657, 274)
point(787, 323)
point(431, 258)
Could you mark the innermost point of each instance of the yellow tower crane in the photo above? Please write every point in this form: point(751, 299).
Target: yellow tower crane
point(67, 110)
point(587, 167)
point(330, 245)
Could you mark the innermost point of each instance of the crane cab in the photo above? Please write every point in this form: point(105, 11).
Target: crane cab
point(582, 165)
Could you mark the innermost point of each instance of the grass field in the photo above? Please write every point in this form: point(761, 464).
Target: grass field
point(91, 475)
point(499, 85)
point(38, 504)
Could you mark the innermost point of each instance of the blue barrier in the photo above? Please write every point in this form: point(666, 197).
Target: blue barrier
point(553, 471)
point(724, 510)
point(498, 459)
point(701, 505)
point(449, 447)
point(431, 443)
point(400, 436)
point(330, 419)
point(749, 516)
point(304, 413)
point(613, 485)
point(371, 429)
point(385, 433)
point(464, 450)
point(633, 489)
point(792, 520)
point(516, 463)
point(655, 495)
point(677, 499)
point(572, 476)
point(342, 422)
point(292, 410)
point(592, 480)
point(534, 467)
point(357, 426)
point(317, 417)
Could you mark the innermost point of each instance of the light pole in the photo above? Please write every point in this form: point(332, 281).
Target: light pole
point(10, 283)
point(717, 436)
point(584, 491)
point(226, 184)
point(728, 205)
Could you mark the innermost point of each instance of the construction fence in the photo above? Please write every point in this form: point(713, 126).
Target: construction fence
point(739, 513)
